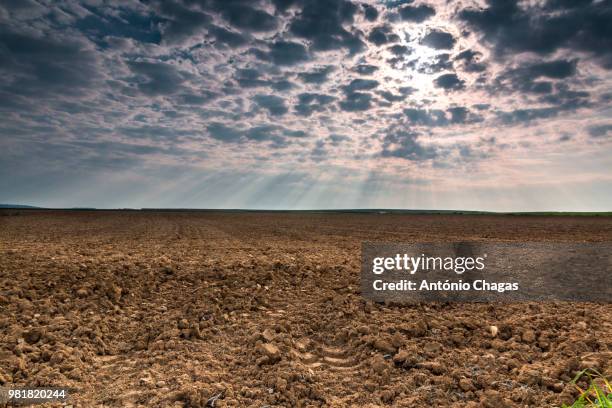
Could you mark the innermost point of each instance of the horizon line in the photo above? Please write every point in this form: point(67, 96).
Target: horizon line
point(363, 210)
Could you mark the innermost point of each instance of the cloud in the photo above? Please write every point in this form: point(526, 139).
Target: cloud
point(471, 61)
point(370, 12)
point(323, 24)
point(545, 29)
point(361, 84)
point(406, 145)
point(449, 82)
point(226, 37)
point(241, 15)
point(312, 102)
point(438, 39)
point(365, 69)
point(356, 101)
point(156, 78)
point(280, 136)
point(527, 115)
point(274, 104)
point(598, 131)
point(287, 53)
point(439, 117)
point(32, 64)
point(181, 22)
point(399, 50)
point(382, 35)
point(416, 14)
point(317, 76)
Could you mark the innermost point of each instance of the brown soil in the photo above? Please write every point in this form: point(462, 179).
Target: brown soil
point(263, 309)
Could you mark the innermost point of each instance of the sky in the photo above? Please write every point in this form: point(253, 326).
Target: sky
point(302, 104)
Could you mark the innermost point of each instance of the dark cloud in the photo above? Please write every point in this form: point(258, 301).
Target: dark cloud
point(416, 14)
point(32, 64)
point(471, 61)
point(547, 79)
point(273, 104)
point(382, 35)
point(399, 50)
point(406, 145)
point(318, 76)
point(242, 15)
point(600, 130)
point(438, 39)
point(323, 24)
point(278, 135)
point(551, 69)
point(579, 26)
point(181, 22)
point(224, 133)
point(200, 98)
point(449, 81)
point(312, 102)
point(438, 117)
point(356, 101)
point(229, 38)
point(522, 116)
point(526, 77)
point(567, 98)
point(126, 23)
point(441, 62)
point(361, 84)
point(336, 139)
point(391, 97)
point(365, 69)
point(154, 132)
point(156, 78)
point(287, 53)
point(253, 78)
point(370, 12)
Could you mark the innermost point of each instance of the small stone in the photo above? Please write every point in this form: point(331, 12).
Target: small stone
point(281, 384)
point(582, 325)
point(397, 340)
point(466, 384)
point(433, 366)
point(557, 387)
point(267, 335)
point(82, 292)
point(145, 381)
point(183, 324)
point(379, 365)
point(271, 352)
point(529, 336)
point(493, 399)
point(493, 330)
point(384, 346)
point(400, 357)
point(530, 376)
point(32, 336)
point(432, 347)
point(113, 292)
